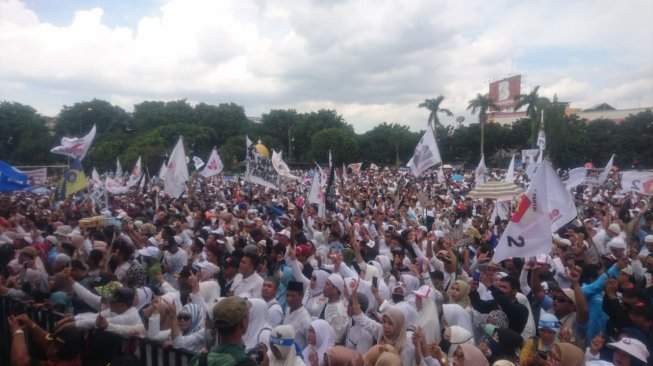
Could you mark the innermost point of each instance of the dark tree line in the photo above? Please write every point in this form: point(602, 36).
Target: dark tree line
point(153, 127)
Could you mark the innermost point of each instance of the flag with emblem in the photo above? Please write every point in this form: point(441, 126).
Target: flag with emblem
point(213, 166)
point(74, 179)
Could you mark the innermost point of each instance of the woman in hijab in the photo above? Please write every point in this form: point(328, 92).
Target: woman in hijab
point(468, 355)
point(392, 331)
point(427, 313)
point(454, 314)
point(454, 336)
point(187, 330)
point(314, 300)
point(283, 350)
point(258, 330)
point(459, 294)
point(373, 356)
point(565, 354)
point(320, 338)
point(342, 356)
point(504, 344)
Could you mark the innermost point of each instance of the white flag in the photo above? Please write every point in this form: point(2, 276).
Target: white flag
point(510, 175)
point(213, 166)
point(176, 174)
point(115, 186)
point(541, 140)
point(118, 168)
point(606, 171)
point(162, 170)
point(135, 176)
point(374, 166)
point(316, 195)
point(95, 178)
point(481, 172)
point(441, 177)
point(561, 206)
point(197, 162)
point(330, 161)
point(529, 231)
point(75, 147)
point(344, 172)
point(426, 154)
point(640, 182)
point(281, 167)
point(576, 177)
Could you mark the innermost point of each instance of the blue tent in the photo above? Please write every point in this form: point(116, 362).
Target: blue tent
point(12, 179)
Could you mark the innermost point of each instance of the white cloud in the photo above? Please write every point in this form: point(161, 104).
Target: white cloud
point(371, 60)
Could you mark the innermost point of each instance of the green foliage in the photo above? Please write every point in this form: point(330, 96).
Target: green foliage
point(388, 144)
point(433, 105)
point(24, 139)
point(154, 127)
point(341, 141)
point(232, 153)
point(80, 118)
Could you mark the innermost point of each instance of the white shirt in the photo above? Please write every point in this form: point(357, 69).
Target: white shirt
point(275, 313)
point(251, 285)
point(335, 314)
point(300, 320)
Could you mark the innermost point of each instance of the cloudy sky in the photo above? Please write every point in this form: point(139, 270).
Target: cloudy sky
point(371, 60)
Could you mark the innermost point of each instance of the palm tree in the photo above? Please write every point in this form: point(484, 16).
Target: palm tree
point(433, 105)
point(481, 104)
point(534, 105)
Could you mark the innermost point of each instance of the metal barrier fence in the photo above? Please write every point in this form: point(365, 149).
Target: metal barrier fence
point(98, 345)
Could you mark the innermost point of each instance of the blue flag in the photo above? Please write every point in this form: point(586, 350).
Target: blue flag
point(12, 179)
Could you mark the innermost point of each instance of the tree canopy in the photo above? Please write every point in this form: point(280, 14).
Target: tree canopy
point(152, 129)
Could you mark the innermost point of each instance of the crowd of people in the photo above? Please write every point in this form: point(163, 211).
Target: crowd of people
point(401, 273)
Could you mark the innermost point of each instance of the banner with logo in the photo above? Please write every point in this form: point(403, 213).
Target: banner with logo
point(38, 177)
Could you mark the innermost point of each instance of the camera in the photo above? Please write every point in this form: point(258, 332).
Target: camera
point(257, 353)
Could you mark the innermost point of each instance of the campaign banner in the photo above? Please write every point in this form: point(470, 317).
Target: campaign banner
point(639, 182)
point(38, 177)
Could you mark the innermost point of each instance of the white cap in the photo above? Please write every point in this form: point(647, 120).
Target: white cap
point(648, 239)
point(614, 227)
point(543, 258)
point(439, 234)
point(337, 281)
point(149, 252)
point(633, 347)
point(285, 233)
point(617, 243)
point(628, 270)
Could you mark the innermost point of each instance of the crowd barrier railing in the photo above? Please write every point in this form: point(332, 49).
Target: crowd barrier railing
point(148, 352)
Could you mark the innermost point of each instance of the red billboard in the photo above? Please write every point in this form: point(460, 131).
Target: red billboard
point(504, 91)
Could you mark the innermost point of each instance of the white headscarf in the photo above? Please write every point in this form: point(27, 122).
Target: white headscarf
point(258, 315)
point(325, 338)
point(454, 314)
point(283, 338)
point(428, 318)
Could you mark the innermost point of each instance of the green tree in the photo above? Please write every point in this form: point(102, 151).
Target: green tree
point(341, 142)
point(534, 106)
point(433, 105)
point(25, 138)
point(388, 144)
point(79, 119)
point(232, 153)
point(482, 103)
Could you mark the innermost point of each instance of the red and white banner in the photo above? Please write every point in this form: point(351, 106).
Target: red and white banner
point(37, 176)
point(503, 92)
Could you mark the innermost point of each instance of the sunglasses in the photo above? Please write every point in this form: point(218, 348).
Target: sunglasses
point(183, 317)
